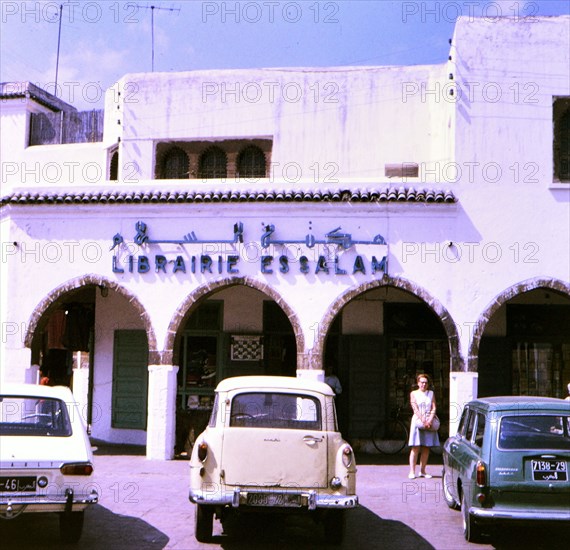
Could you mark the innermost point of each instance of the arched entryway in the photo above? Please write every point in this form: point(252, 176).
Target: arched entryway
point(378, 338)
point(521, 344)
point(232, 327)
point(94, 336)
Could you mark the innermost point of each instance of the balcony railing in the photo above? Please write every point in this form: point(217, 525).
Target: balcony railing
point(66, 127)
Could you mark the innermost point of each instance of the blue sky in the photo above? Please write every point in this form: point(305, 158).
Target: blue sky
point(103, 40)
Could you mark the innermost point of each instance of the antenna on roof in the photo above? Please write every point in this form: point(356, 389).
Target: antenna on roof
point(152, 8)
point(61, 6)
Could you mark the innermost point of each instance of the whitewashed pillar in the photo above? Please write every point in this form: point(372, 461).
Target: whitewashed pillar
point(311, 374)
point(33, 374)
point(161, 416)
point(462, 388)
point(81, 390)
point(15, 364)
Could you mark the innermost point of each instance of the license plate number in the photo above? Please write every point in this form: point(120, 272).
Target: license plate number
point(273, 499)
point(17, 484)
point(549, 470)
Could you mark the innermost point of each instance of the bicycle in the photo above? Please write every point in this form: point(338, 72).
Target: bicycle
point(390, 435)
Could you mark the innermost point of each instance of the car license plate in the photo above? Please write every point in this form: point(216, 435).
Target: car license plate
point(549, 470)
point(273, 499)
point(17, 484)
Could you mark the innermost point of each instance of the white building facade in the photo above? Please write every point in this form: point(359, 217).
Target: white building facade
point(387, 221)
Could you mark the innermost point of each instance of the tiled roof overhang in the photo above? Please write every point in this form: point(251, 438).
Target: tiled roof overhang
point(386, 194)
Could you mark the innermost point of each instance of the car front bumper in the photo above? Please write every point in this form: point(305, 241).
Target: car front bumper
point(310, 500)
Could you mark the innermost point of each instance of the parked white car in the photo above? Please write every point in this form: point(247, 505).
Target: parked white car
point(272, 443)
point(46, 460)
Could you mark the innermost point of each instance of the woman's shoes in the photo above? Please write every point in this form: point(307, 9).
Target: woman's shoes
point(421, 474)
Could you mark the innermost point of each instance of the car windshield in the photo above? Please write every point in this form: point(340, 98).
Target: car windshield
point(535, 432)
point(36, 416)
point(275, 410)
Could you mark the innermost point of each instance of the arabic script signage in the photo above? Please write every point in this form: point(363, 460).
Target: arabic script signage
point(333, 254)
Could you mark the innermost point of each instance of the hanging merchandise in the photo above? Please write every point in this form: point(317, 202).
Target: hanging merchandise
point(78, 327)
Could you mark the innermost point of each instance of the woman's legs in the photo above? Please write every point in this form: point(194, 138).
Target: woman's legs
point(413, 459)
point(424, 459)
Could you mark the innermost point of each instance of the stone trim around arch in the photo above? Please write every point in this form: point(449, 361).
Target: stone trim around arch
point(501, 299)
point(91, 279)
point(456, 359)
point(181, 314)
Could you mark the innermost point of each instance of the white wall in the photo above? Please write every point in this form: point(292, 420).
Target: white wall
point(112, 313)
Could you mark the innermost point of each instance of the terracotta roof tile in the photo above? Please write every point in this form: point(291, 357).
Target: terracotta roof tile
point(385, 194)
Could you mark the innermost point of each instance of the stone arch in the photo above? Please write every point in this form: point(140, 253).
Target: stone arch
point(49, 302)
point(501, 299)
point(185, 308)
point(456, 359)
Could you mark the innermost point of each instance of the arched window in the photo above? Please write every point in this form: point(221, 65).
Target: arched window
point(251, 163)
point(114, 166)
point(175, 165)
point(213, 164)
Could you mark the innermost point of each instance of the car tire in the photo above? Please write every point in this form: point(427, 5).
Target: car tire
point(447, 496)
point(71, 526)
point(204, 523)
point(334, 521)
point(471, 531)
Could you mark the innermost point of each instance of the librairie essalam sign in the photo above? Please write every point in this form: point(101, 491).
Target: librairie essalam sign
point(334, 253)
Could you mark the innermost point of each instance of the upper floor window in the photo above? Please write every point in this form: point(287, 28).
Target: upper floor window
point(222, 159)
point(251, 163)
point(562, 139)
point(213, 164)
point(114, 166)
point(175, 165)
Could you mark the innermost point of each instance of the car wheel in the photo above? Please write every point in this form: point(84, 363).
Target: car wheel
point(204, 522)
point(447, 496)
point(334, 521)
point(471, 532)
point(71, 526)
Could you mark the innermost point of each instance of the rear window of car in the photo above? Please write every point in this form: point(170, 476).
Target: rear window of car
point(276, 410)
point(34, 416)
point(535, 432)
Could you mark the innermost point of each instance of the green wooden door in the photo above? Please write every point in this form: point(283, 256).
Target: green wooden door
point(130, 379)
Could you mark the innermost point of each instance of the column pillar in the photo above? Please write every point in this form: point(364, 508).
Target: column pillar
point(81, 390)
point(161, 416)
point(462, 388)
point(16, 366)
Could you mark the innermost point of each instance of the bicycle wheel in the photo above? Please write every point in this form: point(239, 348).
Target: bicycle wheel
point(390, 437)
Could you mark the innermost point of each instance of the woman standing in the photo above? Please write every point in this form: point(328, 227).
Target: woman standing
point(423, 433)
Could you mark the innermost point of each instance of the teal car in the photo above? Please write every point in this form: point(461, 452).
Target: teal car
point(509, 462)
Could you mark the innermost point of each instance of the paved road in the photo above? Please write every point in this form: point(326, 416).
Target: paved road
point(144, 505)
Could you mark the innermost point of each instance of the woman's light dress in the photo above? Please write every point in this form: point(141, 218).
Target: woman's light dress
point(424, 438)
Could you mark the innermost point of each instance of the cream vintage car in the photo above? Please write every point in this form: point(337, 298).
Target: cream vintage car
point(46, 460)
point(272, 443)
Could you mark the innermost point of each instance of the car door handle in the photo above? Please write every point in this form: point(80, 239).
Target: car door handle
point(311, 439)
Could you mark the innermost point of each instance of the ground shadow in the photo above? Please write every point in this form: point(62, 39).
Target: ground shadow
point(537, 537)
point(103, 530)
point(364, 529)
point(103, 448)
